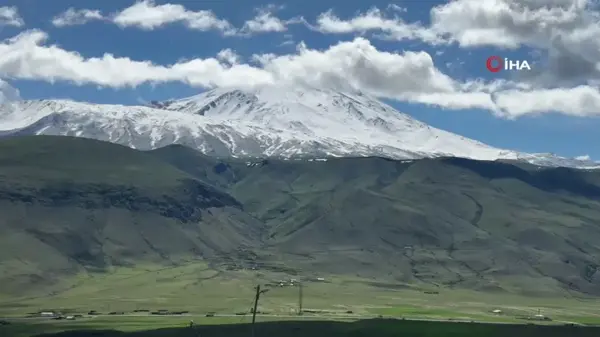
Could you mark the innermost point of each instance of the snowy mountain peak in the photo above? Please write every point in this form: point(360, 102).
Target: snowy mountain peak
point(268, 121)
point(218, 102)
point(352, 118)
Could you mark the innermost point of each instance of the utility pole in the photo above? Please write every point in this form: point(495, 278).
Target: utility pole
point(254, 310)
point(258, 292)
point(300, 298)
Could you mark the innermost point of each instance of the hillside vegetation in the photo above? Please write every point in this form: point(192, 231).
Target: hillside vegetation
point(71, 205)
point(80, 204)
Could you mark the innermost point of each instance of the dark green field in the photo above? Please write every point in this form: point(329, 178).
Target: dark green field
point(90, 225)
point(366, 328)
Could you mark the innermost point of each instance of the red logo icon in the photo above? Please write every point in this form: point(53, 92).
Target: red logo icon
point(490, 64)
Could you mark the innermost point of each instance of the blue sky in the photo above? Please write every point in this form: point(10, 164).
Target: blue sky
point(569, 130)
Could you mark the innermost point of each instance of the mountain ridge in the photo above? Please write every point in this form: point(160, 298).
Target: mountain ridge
point(79, 204)
point(265, 122)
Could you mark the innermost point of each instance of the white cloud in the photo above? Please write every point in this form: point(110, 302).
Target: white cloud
point(354, 64)
point(358, 65)
point(568, 30)
point(263, 58)
point(350, 65)
point(474, 23)
point(229, 56)
point(457, 100)
point(510, 23)
point(584, 157)
point(579, 101)
point(564, 33)
point(582, 101)
point(374, 20)
point(264, 22)
point(9, 16)
point(73, 16)
point(26, 57)
point(287, 42)
point(8, 93)
point(397, 8)
point(147, 15)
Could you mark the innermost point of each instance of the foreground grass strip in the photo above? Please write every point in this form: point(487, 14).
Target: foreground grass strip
point(226, 327)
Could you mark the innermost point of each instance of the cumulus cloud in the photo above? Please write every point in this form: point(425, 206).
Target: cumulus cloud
point(511, 23)
point(564, 33)
point(567, 30)
point(228, 56)
point(374, 20)
point(72, 17)
point(8, 93)
point(350, 65)
point(9, 16)
point(264, 21)
point(584, 157)
point(578, 101)
point(456, 100)
point(397, 8)
point(149, 16)
point(471, 23)
point(27, 57)
point(582, 101)
point(511, 100)
point(358, 65)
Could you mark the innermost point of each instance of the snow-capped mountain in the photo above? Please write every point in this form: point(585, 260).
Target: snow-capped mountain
point(270, 121)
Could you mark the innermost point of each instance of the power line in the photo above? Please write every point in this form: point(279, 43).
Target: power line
point(250, 305)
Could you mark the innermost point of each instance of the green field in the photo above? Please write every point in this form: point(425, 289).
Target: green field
point(199, 289)
point(301, 327)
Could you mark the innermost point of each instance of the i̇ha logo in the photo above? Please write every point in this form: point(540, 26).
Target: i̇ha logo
point(496, 63)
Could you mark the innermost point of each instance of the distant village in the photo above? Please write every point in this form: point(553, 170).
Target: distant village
point(292, 282)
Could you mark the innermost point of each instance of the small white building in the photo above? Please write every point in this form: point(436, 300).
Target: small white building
point(47, 314)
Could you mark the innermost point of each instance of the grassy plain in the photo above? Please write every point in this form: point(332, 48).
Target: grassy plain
point(199, 289)
point(329, 328)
